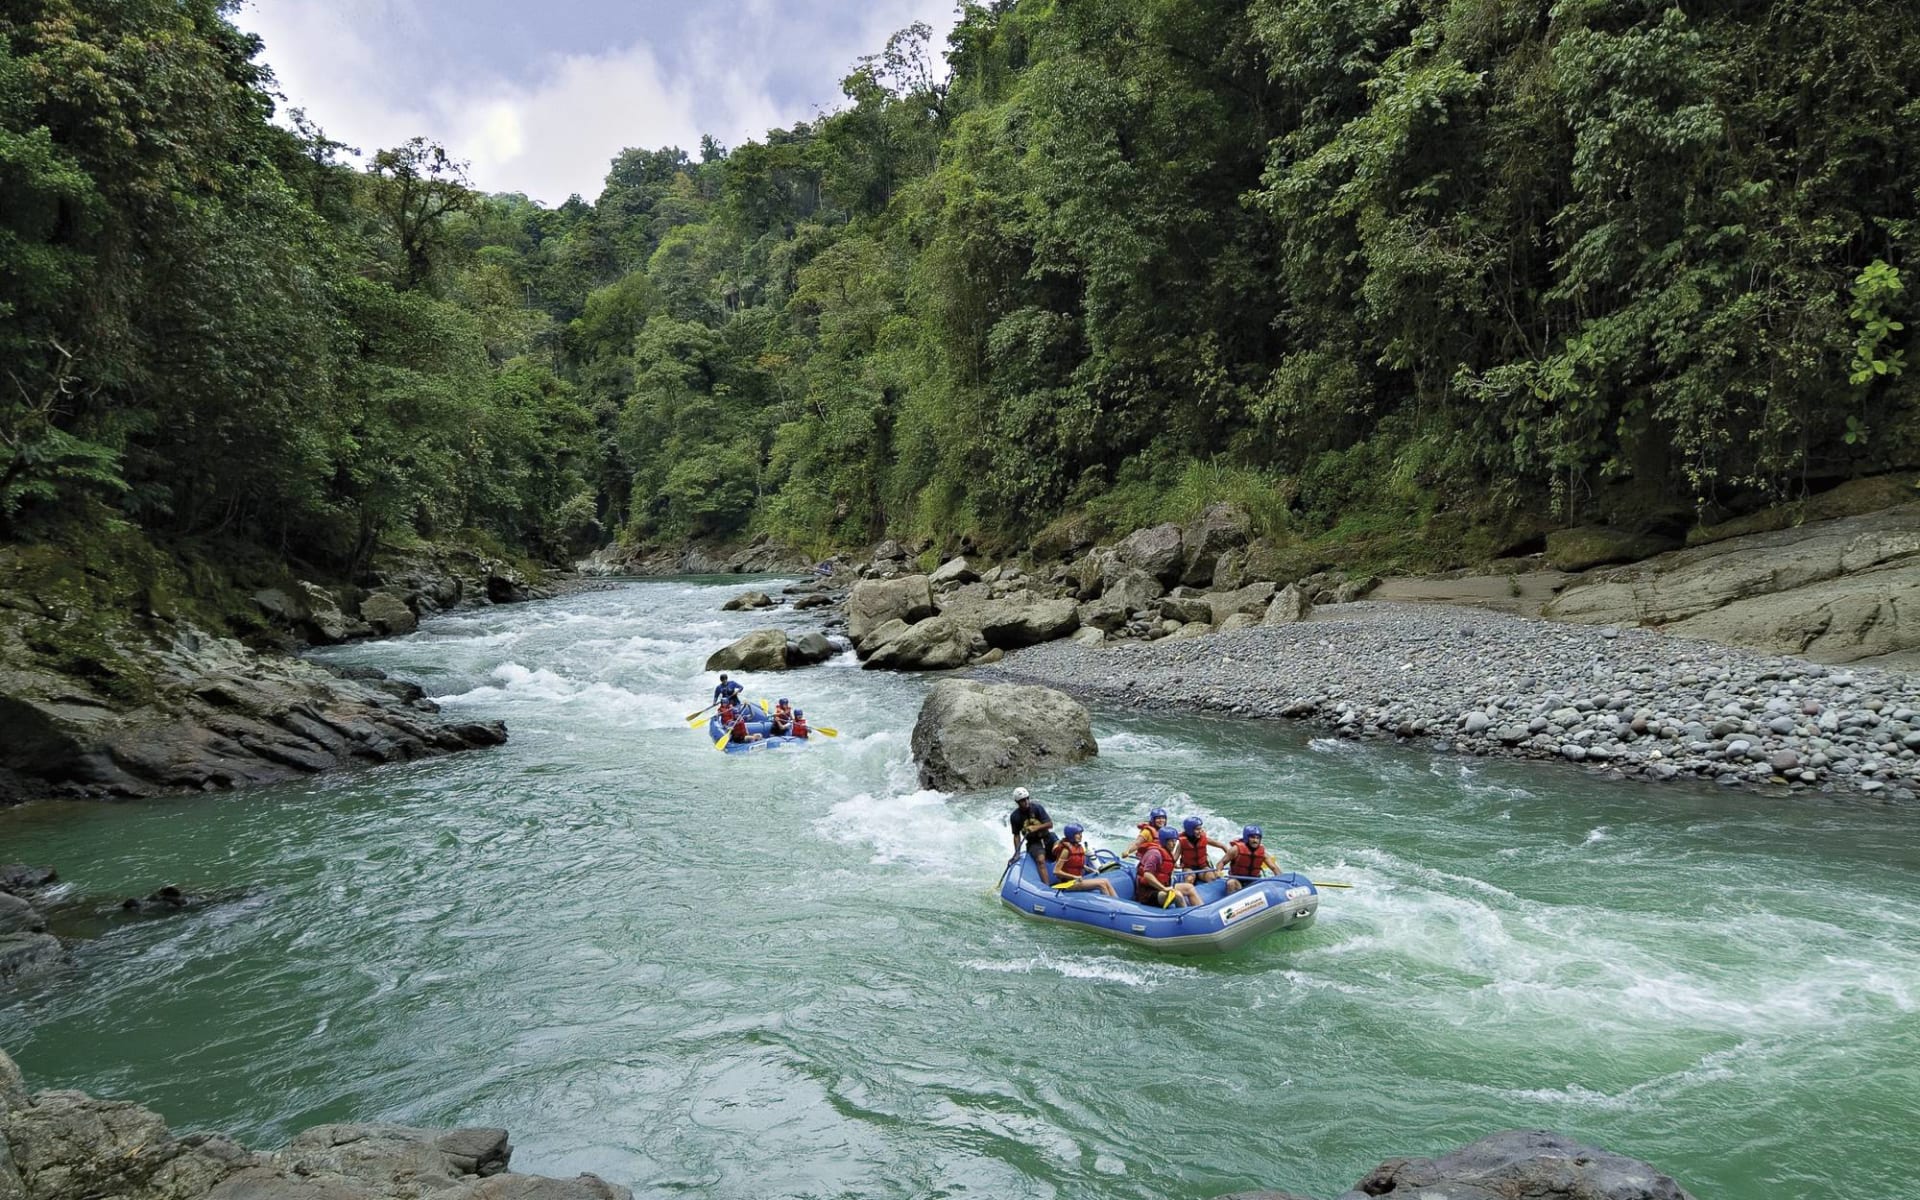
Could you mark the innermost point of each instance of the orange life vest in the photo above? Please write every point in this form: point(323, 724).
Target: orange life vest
point(739, 730)
point(1245, 859)
point(783, 713)
point(1149, 837)
point(1193, 854)
point(799, 727)
point(1156, 865)
point(1073, 860)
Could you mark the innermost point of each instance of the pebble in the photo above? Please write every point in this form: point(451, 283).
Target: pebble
point(1640, 703)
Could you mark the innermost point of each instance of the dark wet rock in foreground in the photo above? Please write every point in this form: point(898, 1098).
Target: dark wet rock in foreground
point(69, 1146)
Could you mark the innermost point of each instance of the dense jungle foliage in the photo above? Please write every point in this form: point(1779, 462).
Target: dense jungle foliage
point(1353, 263)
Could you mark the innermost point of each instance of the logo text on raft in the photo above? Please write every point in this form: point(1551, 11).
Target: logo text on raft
point(1243, 907)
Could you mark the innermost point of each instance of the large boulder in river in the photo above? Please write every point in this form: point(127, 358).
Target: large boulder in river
point(975, 735)
point(747, 600)
point(874, 602)
point(388, 614)
point(761, 650)
point(809, 648)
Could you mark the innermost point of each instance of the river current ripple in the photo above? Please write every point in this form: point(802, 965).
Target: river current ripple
point(785, 974)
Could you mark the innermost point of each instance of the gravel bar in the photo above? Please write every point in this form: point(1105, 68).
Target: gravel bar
point(1624, 703)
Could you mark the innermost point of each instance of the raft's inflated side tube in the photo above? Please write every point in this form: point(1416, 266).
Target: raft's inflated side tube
point(765, 743)
point(763, 727)
point(1221, 923)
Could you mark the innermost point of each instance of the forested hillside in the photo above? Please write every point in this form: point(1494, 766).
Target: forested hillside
point(1361, 265)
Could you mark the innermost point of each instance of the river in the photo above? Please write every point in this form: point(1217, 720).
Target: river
point(785, 974)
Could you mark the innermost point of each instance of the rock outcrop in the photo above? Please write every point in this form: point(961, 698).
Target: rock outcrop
point(1838, 591)
point(70, 1146)
point(974, 735)
point(937, 644)
point(201, 712)
point(1586, 546)
point(747, 600)
point(874, 602)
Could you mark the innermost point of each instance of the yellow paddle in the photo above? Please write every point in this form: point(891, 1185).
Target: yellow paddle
point(1321, 883)
point(695, 715)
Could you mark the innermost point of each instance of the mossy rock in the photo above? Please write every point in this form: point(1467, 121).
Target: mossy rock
point(1854, 498)
point(1599, 545)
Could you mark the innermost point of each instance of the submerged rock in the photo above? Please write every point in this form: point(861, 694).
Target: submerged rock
point(974, 735)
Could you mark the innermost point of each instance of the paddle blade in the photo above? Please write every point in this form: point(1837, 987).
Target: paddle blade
point(720, 741)
point(1064, 884)
point(1321, 883)
point(763, 705)
point(826, 729)
point(695, 716)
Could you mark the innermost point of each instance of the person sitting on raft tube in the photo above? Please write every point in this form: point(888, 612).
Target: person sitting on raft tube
point(737, 733)
point(1153, 883)
point(1033, 828)
point(1070, 862)
point(799, 729)
point(1247, 858)
point(1149, 833)
point(1193, 849)
point(782, 718)
point(726, 690)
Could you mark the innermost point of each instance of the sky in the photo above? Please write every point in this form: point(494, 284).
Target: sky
point(539, 95)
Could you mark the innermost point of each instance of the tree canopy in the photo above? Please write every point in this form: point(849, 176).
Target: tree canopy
point(1348, 260)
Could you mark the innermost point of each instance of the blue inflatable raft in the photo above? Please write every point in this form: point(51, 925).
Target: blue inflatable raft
point(1266, 905)
point(763, 727)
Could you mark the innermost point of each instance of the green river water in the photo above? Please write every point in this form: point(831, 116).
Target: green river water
point(785, 974)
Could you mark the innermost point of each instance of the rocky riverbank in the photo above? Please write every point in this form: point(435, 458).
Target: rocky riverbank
point(123, 672)
point(1623, 702)
point(70, 1146)
point(58, 1145)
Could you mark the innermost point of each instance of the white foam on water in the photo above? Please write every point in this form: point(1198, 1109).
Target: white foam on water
point(1327, 745)
point(1098, 969)
point(920, 829)
point(1596, 836)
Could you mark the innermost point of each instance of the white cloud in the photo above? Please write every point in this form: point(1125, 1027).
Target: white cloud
point(355, 66)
